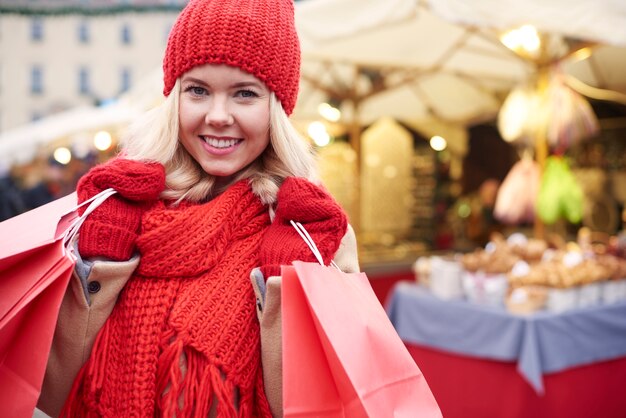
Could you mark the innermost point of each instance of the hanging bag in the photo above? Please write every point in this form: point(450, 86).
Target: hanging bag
point(36, 263)
point(341, 355)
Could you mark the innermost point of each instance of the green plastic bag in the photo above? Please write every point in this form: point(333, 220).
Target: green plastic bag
point(560, 196)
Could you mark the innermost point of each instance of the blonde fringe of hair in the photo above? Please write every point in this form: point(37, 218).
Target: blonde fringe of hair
point(154, 137)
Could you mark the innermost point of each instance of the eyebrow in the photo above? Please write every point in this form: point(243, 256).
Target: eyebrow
point(235, 85)
point(248, 84)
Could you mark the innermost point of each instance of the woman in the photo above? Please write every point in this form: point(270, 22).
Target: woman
point(207, 185)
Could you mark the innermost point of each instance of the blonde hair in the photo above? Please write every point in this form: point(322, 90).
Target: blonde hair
point(154, 137)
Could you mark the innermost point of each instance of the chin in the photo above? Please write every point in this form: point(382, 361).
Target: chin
point(212, 171)
point(221, 174)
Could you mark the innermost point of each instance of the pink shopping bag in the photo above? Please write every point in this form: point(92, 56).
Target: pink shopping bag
point(36, 264)
point(35, 269)
point(341, 355)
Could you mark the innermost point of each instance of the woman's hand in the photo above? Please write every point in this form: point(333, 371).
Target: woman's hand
point(301, 201)
point(111, 230)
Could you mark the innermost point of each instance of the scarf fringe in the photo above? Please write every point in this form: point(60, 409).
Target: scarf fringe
point(190, 384)
point(169, 377)
point(100, 360)
point(225, 393)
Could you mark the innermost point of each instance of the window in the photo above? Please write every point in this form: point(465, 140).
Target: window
point(83, 81)
point(126, 34)
point(83, 32)
point(36, 29)
point(125, 79)
point(36, 80)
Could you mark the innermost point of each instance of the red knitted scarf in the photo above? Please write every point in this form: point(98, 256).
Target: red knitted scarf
point(184, 333)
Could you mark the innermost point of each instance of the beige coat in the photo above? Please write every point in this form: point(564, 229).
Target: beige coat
point(83, 314)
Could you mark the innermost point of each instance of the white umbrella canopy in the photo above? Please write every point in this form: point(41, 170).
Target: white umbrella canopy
point(602, 21)
point(396, 58)
point(599, 25)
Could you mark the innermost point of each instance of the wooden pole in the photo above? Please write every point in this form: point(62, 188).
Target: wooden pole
point(541, 142)
point(355, 142)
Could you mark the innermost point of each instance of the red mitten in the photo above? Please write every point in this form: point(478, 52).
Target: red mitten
point(302, 201)
point(111, 230)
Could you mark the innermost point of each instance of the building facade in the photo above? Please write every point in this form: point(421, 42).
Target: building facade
point(55, 55)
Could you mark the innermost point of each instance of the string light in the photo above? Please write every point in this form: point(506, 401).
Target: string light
point(438, 143)
point(524, 39)
point(62, 155)
point(329, 112)
point(317, 132)
point(102, 140)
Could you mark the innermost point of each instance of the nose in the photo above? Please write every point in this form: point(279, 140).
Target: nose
point(218, 112)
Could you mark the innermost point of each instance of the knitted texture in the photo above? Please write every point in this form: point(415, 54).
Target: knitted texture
point(190, 299)
point(184, 333)
point(257, 36)
point(111, 230)
point(302, 201)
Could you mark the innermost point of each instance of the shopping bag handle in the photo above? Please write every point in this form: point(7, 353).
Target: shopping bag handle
point(93, 202)
point(301, 230)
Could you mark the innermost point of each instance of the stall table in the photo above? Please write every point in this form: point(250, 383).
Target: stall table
point(482, 361)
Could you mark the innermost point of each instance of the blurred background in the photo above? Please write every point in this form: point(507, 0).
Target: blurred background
point(419, 110)
point(477, 146)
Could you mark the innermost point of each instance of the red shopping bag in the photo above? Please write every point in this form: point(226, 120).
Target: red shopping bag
point(341, 355)
point(35, 269)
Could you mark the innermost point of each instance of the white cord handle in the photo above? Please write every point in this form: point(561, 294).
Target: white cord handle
point(311, 244)
point(93, 202)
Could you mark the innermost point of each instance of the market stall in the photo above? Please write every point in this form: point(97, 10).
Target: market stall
point(437, 70)
point(520, 328)
point(537, 331)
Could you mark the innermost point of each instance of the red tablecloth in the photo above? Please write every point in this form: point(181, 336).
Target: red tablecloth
point(467, 387)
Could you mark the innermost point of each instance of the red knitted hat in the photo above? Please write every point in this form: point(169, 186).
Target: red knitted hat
point(257, 36)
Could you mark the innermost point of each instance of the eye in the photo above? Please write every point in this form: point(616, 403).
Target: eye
point(196, 90)
point(247, 93)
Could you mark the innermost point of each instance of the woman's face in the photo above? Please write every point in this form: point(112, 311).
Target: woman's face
point(224, 118)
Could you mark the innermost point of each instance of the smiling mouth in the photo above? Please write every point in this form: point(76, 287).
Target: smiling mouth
point(220, 143)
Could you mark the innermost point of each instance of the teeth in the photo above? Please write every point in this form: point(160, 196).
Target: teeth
point(220, 143)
